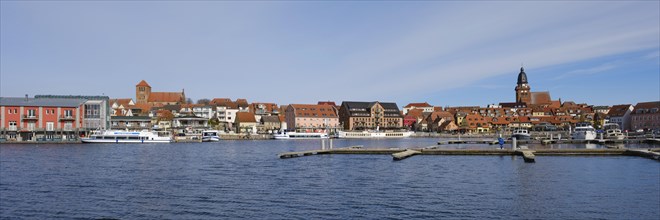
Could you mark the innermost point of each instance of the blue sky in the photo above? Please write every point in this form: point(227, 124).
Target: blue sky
point(445, 53)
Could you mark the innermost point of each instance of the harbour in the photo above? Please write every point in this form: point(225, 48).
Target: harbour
point(359, 179)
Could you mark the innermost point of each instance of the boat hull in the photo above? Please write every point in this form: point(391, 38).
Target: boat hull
point(210, 139)
point(521, 136)
point(119, 141)
point(350, 134)
point(291, 135)
point(584, 135)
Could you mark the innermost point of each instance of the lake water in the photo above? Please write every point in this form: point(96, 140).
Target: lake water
point(245, 179)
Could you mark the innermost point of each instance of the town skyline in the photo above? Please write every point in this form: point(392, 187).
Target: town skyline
point(443, 53)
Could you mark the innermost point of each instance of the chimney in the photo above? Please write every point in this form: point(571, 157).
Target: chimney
point(26, 97)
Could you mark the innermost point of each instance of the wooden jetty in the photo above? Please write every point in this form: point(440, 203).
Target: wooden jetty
point(528, 155)
point(405, 154)
point(553, 141)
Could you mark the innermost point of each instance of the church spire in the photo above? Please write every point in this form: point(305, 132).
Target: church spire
point(522, 76)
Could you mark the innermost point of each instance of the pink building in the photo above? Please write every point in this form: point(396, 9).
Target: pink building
point(311, 118)
point(646, 116)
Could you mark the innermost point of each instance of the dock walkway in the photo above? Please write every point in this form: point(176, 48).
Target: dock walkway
point(528, 154)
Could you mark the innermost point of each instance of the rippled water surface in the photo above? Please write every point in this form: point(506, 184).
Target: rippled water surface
point(245, 179)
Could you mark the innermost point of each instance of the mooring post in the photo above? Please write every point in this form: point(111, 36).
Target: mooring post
point(330, 143)
point(322, 144)
point(514, 143)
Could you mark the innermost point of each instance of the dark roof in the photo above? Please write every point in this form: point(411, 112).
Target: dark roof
point(270, 119)
point(365, 107)
point(513, 105)
point(522, 76)
point(618, 110)
point(45, 102)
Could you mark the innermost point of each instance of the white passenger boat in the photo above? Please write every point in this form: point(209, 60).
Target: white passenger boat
point(613, 132)
point(521, 134)
point(210, 136)
point(117, 136)
point(584, 131)
point(300, 135)
point(374, 134)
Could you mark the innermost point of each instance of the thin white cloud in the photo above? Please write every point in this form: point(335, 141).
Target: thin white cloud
point(588, 71)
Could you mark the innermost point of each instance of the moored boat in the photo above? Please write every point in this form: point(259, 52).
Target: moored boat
point(613, 132)
point(521, 134)
point(584, 131)
point(117, 136)
point(210, 136)
point(374, 134)
point(300, 135)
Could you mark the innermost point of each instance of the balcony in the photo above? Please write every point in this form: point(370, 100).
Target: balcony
point(67, 117)
point(30, 117)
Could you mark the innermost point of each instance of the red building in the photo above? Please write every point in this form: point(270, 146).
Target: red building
point(26, 119)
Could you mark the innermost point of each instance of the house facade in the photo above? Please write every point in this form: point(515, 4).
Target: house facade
point(646, 116)
point(311, 118)
point(370, 115)
point(32, 119)
point(620, 114)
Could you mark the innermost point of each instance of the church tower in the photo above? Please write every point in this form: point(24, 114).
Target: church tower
point(142, 92)
point(522, 89)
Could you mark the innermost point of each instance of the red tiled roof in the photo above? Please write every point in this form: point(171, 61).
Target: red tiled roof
point(143, 107)
point(618, 110)
point(647, 105)
point(541, 98)
point(417, 113)
point(314, 111)
point(165, 97)
point(124, 102)
point(143, 83)
point(245, 117)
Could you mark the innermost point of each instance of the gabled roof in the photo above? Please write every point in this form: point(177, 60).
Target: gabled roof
point(243, 103)
point(245, 117)
point(416, 113)
point(618, 110)
point(647, 105)
point(220, 101)
point(125, 102)
point(143, 83)
point(166, 97)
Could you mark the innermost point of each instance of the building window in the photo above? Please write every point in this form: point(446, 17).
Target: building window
point(12, 125)
point(93, 111)
point(31, 113)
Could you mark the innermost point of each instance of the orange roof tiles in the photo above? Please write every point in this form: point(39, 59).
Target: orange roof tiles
point(245, 117)
point(314, 111)
point(166, 97)
point(143, 83)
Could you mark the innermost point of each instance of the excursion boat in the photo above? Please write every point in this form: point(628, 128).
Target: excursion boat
point(521, 134)
point(613, 132)
point(584, 131)
point(117, 136)
point(374, 134)
point(210, 136)
point(301, 135)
